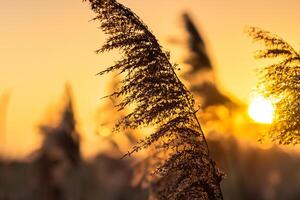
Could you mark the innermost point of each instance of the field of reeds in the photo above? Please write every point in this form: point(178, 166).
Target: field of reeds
point(169, 132)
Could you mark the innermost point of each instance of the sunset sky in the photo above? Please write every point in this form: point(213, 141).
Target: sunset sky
point(45, 44)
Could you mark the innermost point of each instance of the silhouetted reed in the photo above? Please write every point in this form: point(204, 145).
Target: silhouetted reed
point(280, 82)
point(202, 73)
point(160, 101)
point(60, 152)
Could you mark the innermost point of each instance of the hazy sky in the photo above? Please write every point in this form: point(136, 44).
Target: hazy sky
point(45, 43)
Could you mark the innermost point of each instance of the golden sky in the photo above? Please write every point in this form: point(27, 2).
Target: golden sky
point(45, 43)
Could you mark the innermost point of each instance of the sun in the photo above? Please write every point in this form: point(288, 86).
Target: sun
point(261, 110)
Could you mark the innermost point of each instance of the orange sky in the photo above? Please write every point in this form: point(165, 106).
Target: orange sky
point(43, 44)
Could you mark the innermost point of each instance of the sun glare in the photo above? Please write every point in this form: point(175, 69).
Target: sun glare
point(261, 110)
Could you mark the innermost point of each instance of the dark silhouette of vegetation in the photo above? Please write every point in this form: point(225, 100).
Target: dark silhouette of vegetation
point(254, 172)
point(160, 101)
point(198, 57)
point(106, 179)
point(281, 82)
point(200, 62)
point(59, 153)
point(66, 132)
point(114, 176)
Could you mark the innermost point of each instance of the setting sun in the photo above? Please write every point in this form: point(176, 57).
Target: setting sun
point(261, 110)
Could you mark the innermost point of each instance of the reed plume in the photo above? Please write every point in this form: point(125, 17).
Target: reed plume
point(202, 69)
point(160, 101)
point(280, 82)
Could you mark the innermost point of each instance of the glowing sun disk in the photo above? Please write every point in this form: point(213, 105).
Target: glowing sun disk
point(261, 110)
